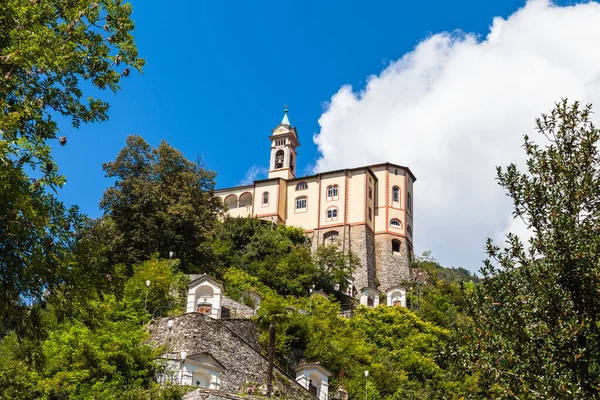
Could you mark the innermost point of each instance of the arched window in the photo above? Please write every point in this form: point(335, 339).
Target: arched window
point(332, 192)
point(301, 204)
point(231, 201)
point(292, 162)
point(330, 237)
point(395, 223)
point(332, 214)
point(409, 230)
point(409, 202)
point(302, 186)
point(279, 159)
point(396, 194)
point(265, 199)
point(395, 246)
point(370, 193)
point(246, 199)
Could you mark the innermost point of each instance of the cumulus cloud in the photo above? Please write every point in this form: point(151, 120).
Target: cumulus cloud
point(457, 106)
point(254, 173)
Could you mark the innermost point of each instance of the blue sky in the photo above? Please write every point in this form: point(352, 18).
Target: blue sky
point(219, 73)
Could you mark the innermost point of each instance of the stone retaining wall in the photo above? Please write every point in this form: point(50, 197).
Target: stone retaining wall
point(224, 340)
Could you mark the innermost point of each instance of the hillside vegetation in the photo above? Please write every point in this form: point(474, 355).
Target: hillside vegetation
point(85, 337)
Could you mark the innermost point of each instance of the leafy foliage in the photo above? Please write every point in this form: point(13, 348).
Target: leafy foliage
point(278, 256)
point(47, 48)
point(160, 202)
point(440, 298)
point(397, 347)
point(536, 328)
point(36, 237)
point(99, 351)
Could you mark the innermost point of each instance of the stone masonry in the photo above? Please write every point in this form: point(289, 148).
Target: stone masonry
point(392, 268)
point(211, 394)
point(375, 264)
point(232, 343)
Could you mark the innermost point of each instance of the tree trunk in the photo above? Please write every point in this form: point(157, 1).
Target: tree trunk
point(272, 334)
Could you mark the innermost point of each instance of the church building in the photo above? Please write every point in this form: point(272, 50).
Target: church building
point(367, 209)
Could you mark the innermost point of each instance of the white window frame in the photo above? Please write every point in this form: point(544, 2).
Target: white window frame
point(332, 214)
point(265, 204)
point(298, 200)
point(333, 192)
point(399, 224)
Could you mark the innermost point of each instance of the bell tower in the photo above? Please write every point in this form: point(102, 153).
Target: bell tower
point(284, 141)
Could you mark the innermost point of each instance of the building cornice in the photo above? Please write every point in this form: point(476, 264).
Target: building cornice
point(368, 168)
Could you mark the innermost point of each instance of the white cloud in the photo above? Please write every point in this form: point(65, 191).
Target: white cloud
point(457, 106)
point(254, 173)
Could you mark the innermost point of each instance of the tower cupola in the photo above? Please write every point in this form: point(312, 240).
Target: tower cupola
point(284, 141)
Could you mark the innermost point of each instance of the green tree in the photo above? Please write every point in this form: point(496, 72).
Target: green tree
point(398, 348)
point(160, 202)
point(441, 297)
point(272, 314)
point(167, 288)
point(100, 349)
point(280, 256)
point(536, 328)
point(47, 48)
point(336, 265)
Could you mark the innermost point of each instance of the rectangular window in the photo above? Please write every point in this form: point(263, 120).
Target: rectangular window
point(370, 214)
point(370, 193)
point(395, 172)
point(301, 203)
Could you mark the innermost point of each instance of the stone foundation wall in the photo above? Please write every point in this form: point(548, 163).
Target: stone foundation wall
point(374, 266)
point(392, 268)
point(362, 244)
point(224, 340)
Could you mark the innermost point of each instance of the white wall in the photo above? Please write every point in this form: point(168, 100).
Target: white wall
point(194, 295)
point(303, 377)
point(396, 293)
point(189, 370)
